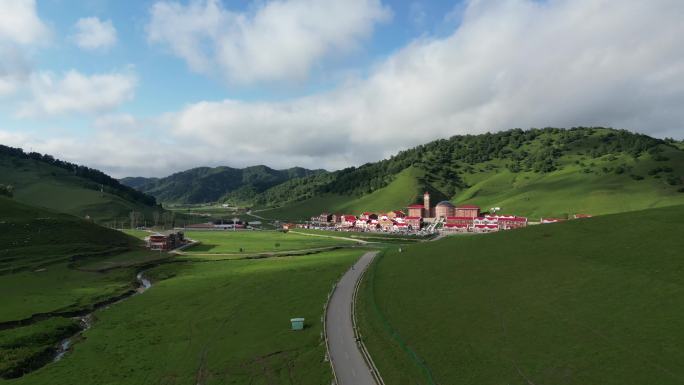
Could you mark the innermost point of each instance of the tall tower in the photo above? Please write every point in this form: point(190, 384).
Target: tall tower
point(426, 205)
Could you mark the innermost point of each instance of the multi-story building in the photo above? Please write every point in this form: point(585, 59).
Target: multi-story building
point(167, 241)
point(444, 209)
point(415, 210)
point(508, 222)
point(467, 211)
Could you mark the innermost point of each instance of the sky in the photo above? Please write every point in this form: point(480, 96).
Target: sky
point(152, 87)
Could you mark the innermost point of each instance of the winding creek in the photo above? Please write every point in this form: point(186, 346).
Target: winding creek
point(86, 320)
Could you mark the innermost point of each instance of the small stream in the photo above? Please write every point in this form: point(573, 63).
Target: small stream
point(86, 321)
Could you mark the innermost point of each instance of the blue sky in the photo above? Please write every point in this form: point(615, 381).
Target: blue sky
point(156, 68)
point(166, 83)
point(156, 86)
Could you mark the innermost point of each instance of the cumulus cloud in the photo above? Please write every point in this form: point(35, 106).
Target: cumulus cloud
point(94, 34)
point(75, 92)
point(19, 22)
point(14, 69)
point(510, 63)
point(20, 27)
point(279, 40)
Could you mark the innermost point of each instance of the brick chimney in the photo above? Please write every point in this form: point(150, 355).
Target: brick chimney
point(426, 204)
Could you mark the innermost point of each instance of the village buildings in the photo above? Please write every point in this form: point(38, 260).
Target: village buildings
point(444, 217)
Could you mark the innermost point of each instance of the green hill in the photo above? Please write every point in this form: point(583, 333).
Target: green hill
point(406, 187)
point(538, 172)
point(33, 236)
point(206, 184)
point(41, 180)
point(53, 266)
point(591, 301)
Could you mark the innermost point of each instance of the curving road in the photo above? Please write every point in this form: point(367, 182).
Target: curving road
point(346, 358)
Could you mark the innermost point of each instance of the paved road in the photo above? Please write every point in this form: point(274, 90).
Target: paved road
point(348, 363)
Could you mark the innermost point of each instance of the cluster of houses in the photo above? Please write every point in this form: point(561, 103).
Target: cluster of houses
point(165, 241)
point(444, 216)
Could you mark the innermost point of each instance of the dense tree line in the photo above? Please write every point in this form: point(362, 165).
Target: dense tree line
point(536, 150)
point(98, 178)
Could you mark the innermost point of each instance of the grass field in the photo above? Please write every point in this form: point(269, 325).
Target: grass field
point(230, 242)
point(211, 323)
point(593, 301)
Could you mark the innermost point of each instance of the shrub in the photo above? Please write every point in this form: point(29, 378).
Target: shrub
point(7, 190)
point(673, 180)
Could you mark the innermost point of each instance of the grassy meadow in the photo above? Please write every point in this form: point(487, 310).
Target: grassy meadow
point(251, 242)
point(210, 323)
point(593, 301)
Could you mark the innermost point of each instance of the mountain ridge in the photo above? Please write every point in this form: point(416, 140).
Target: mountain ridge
point(210, 184)
point(548, 171)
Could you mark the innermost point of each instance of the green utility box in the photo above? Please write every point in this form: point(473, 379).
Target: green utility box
point(297, 323)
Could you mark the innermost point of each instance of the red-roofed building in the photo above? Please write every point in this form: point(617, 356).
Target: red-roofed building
point(415, 210)
point(512, 222)
point(482, 228)
point(348, 221)
point(164, 242)
point(551, 220)
point(456, 227)
point(460, 220)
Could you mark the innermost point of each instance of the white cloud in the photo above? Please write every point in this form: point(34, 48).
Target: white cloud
point(14, 69)
point(19, 22)
point(20, 27)
point(280, 40)
point(511, 63)
point(94, 34)
point(77, 93)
